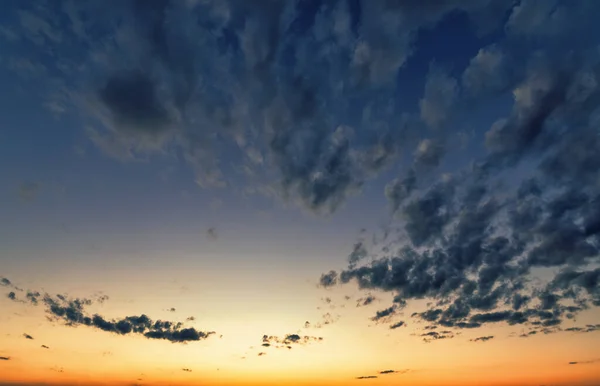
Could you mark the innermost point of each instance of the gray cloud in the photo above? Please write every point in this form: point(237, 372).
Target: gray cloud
point(73, 313)
point(288, 341)
point(27, 336)
point(143, 86)
point(482, 338)
point(472, 243)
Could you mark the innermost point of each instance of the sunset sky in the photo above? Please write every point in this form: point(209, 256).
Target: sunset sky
point(308, 192)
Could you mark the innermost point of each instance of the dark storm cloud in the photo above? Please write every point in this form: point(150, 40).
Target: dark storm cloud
point(482, 338)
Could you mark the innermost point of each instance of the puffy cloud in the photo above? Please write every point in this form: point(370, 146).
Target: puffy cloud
point(473, 249)
point(280, 89)
point(73, 313)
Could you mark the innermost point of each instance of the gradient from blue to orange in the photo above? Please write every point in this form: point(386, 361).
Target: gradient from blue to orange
point(212, 159)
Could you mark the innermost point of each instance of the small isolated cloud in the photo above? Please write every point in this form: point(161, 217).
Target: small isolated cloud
point(187, 370)
point(44, 346)
point(172, 309)
point(27, 336)
point(397, 325)
point(483, 338)
point(435, 335)
point(212, 234)
point(5, 282)
point(367, 377)
point(585, 362)
point(28, 191)
point(190, 318)
point(4, 358)
point(385, 372)
point(365, 301)
point(12, 296)
point(328, 279)
point(260, 354)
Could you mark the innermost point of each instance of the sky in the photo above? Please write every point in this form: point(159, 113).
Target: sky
point(310, 192)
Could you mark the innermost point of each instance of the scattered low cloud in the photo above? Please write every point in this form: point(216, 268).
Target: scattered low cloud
point(367, 377)
point(44, 346)
point(288, 341)
point(72, 311)
point(384, 372)
point(585, 362)
point(27, 336)
point(187, 370)
point(482, 338)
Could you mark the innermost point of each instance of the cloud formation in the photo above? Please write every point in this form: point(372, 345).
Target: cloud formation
point(288, 341)
point(281, 89)
point(482, 338)
point(72, 311)
point(472, 242)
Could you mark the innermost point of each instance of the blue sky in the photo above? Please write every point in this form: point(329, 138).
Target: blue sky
point(431, 152)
